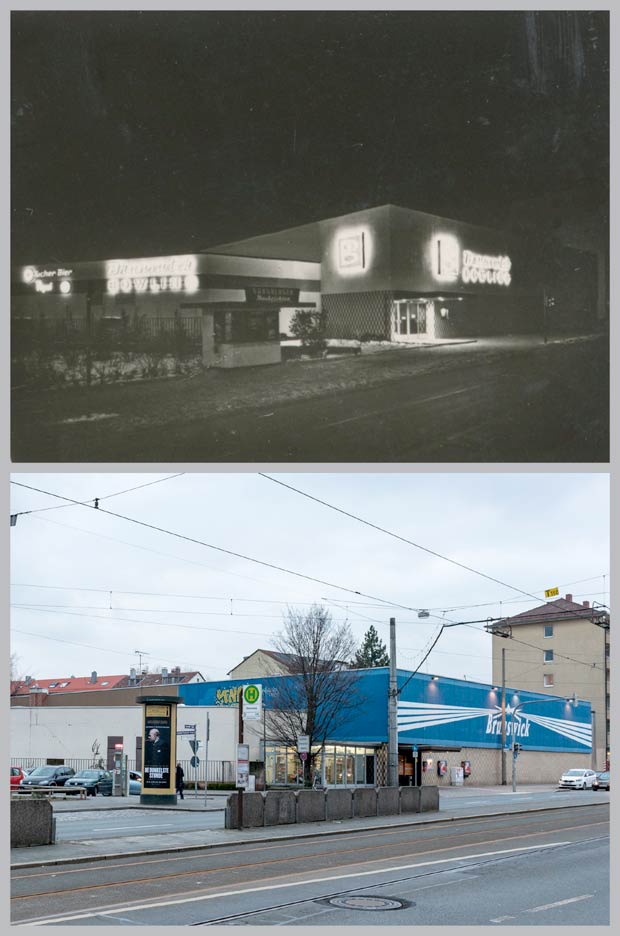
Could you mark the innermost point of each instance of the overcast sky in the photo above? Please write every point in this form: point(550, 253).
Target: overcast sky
point(158, 132)
point(89, 589)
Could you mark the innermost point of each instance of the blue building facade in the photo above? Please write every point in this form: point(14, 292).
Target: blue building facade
point(434, 716)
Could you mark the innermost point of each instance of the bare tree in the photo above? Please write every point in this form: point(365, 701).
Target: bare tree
point(316, 698)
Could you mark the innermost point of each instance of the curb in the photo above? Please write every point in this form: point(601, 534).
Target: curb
point(175, 849)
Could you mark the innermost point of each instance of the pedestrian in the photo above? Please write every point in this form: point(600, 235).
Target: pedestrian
point(179, 780)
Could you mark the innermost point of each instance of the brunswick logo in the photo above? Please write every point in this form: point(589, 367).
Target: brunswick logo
point(416, 716)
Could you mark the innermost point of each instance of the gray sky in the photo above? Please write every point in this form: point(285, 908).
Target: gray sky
point(188, 605)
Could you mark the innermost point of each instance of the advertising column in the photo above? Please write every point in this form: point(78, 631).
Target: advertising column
point(159, 727)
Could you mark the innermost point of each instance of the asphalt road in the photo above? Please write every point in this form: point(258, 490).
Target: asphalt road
point(491, 402)
point(549, 867)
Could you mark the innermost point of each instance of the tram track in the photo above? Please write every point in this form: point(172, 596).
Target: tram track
point(431, 846)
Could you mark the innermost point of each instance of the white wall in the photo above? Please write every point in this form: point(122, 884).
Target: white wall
point(69, 732)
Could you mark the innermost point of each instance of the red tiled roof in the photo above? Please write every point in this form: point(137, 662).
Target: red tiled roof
point(66, 684)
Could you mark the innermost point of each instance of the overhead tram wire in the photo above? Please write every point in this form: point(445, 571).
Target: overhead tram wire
point(96, 500)
point(397, 536)
point(228, 552)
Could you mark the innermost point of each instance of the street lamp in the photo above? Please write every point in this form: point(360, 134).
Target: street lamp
point(515, 748)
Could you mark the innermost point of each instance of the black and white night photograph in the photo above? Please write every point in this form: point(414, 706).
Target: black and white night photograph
point(318, 236)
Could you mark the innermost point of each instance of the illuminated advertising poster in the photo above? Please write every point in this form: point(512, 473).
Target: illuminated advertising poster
point(157, 726)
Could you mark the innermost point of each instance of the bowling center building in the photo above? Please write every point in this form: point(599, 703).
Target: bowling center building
point(385, 274)
point(449, 731)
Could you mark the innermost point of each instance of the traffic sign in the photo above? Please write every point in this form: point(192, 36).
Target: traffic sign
point(194, 744)
point(303, 743)
point(303, 755)
point(183, 733)
point(414, 748)
point(252, 702)
point(195, 761)
point(191, 726)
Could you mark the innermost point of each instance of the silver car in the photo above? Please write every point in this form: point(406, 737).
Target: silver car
point(577, 779)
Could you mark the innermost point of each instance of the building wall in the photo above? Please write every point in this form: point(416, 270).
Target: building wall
point(581, 640)
point(70, 731)
point(257, 664)
point(486, 766)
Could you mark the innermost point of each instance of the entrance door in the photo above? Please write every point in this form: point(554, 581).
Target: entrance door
point(408, 319)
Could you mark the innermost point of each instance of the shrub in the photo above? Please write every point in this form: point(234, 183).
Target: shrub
point(310, 327)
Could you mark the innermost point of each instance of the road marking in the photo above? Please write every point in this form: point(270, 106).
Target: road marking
point(501, 919)
point(278, 886)
point(430, 399)
point(559, 903)
point(150, 825)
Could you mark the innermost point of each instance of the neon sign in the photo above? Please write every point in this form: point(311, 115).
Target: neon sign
point(153, 275)
point(449, 264)
point(352, 251)
point(43, 280)
point(482, 268)
point(446, 256)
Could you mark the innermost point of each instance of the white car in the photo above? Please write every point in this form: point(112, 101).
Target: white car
point(577, 779)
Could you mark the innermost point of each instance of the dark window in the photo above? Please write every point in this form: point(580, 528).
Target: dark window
point(242, 326)
point(548, 630)
point(548, 680)
point(548, 654)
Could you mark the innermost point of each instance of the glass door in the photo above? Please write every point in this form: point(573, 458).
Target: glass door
point(408, 319)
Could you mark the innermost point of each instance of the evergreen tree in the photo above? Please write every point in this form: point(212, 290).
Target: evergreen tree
point(372, 652)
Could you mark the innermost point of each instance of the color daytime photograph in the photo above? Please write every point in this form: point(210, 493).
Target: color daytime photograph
point(271, 698)
point(310, 236)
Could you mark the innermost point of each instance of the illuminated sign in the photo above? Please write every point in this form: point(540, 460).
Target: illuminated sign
point(44, 280)
point(446, 255)
point(152, 275)
point(352, 251)
point(482, 268)
point(449, 264)
point(274, 294)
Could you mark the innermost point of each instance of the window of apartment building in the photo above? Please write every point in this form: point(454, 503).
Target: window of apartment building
point(548, 656)
point(548, 680)
point(548, 630)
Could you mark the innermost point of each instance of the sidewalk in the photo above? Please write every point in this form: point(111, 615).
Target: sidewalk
point(455, 803)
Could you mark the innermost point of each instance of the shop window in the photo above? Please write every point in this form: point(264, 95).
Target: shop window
point(241, 326)
point(548, 680)
point(548, 630)
point(548, 656)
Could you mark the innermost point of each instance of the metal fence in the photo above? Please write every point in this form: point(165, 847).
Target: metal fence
point(215, 771)
point(55, 352)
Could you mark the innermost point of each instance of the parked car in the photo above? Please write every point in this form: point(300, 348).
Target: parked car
point(135, 781)
point(47, 776)
point(577, 779)
point(93, 780)
point(601, 781)
point(17, 775)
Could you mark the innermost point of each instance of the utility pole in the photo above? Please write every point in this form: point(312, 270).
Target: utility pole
point(503, 716)
point(392, 711)
point(240, 792)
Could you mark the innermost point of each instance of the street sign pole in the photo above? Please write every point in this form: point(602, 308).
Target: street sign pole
point(207, 759)
point(240, 792)
point(196, 767)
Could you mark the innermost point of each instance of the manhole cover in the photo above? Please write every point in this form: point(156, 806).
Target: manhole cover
point(366, 903)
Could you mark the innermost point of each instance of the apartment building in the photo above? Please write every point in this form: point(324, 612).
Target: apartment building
point(560, 648)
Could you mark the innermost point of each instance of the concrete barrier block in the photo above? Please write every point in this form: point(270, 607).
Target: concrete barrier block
point(253, 811)
point(310, 806)
point(32, 822)
point(364, 802)
point(388, 801)
point(279, 807)
point(429, 799)
point(409, 799)
point(339, 804)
